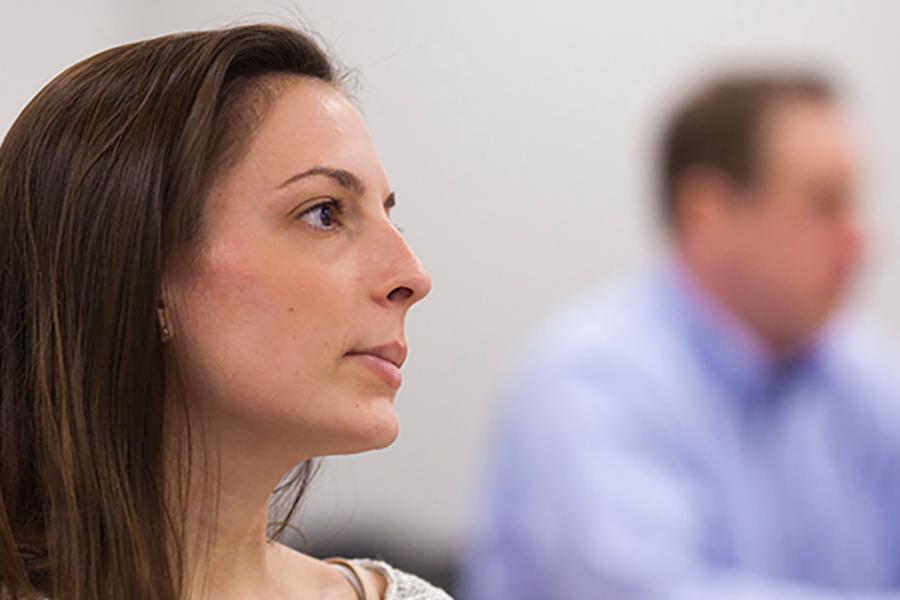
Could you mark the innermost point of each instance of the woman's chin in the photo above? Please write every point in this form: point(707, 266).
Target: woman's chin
point(382, 432)
point(376, 429)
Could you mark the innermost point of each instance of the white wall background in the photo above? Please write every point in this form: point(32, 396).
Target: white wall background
point(519, 138)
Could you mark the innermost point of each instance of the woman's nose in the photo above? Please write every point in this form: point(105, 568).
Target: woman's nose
point(406, 281)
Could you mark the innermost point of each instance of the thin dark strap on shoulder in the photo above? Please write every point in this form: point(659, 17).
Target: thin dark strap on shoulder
point(348, 570)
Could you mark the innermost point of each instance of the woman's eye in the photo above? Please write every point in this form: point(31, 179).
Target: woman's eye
point(325, 216)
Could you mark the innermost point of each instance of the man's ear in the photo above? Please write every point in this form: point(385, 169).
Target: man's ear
point(706, 199)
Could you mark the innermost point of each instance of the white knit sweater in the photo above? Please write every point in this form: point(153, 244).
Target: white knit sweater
point(402, 586)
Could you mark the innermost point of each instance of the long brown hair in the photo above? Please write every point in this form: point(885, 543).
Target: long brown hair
point(102, 181)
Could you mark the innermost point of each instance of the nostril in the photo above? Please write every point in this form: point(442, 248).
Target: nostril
point(400, 294)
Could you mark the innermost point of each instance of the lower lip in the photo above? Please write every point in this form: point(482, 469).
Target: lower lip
point(387, 371)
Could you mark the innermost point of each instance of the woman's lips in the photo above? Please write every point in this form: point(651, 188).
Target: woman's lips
point(384, 361)
point(386, 370)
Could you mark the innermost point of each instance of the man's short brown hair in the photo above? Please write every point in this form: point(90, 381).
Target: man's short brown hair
point(719, 126)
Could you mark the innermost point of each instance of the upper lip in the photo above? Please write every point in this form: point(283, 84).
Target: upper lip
point(393, 352)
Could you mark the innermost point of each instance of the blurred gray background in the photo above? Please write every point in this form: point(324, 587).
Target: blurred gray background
point(520, 139)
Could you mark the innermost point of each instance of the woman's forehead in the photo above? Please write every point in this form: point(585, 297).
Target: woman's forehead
point(310, 123)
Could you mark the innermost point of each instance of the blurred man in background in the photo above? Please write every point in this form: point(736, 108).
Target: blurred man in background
point(713, 429)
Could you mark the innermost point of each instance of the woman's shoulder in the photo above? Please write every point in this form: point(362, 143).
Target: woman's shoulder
point(401, 585)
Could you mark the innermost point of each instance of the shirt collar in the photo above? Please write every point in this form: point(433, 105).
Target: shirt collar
point(736, 353)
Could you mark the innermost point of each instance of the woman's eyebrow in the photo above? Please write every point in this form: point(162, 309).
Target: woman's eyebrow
point(342, 177)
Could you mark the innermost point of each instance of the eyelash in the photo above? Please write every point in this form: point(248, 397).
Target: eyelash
point(337, 208)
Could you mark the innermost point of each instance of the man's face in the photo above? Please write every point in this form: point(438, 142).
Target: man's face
point(795, 239)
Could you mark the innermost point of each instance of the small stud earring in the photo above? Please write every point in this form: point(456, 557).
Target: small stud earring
point(165, 333)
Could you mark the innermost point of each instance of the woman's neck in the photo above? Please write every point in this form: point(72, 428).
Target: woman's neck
point(230, 476)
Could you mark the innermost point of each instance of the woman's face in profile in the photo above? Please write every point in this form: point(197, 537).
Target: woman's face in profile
point(289, 323)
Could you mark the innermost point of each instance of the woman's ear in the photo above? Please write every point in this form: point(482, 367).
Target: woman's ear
point(162, 318)
point(165, 330)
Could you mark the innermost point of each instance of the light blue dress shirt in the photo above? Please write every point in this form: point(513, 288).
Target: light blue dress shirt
point(650, 447)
